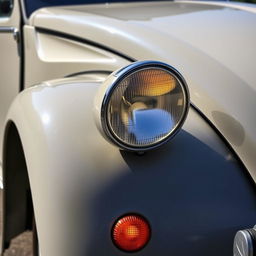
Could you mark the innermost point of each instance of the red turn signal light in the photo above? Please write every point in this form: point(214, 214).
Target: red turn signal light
point(131, 233)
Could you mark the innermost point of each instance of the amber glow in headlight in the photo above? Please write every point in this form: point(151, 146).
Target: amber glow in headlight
point(145, 104)
point(154, 82)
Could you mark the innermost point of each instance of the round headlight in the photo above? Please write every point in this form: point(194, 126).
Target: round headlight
point(143, 105)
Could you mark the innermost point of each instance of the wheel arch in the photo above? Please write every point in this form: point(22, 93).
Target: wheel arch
point(26, 153)
point(17, 201)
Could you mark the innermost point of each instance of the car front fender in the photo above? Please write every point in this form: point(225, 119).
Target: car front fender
point(193, 191)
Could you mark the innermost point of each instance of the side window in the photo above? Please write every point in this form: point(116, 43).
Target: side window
point(6, 7)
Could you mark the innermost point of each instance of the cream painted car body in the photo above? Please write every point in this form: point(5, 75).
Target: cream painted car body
point(195, 191)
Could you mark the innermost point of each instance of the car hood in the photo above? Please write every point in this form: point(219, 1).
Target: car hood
point(211, 44)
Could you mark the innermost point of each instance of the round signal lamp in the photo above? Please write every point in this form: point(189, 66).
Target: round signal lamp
point(131, 233)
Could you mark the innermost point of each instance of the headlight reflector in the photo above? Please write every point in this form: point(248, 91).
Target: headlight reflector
point(144, 106)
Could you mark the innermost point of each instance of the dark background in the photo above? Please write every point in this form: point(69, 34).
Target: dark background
point(247, 1)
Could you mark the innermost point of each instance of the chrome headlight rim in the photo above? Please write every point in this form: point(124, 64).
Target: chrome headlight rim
point(121, 74)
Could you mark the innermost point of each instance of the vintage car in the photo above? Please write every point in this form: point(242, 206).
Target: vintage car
point(129, 128)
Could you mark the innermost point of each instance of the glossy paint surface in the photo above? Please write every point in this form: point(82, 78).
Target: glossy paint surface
point(53, 57)
point(192, 190)
point(211, 45)
point(81, 183)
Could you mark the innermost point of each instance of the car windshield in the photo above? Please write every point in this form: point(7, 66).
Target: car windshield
point(32, 5)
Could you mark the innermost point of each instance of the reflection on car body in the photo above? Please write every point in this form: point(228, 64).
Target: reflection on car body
point(128, 126)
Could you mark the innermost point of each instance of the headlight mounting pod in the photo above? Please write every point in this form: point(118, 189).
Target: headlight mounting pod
point(142, 106)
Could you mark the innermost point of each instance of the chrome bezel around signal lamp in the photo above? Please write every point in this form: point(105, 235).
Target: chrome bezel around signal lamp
point(107, 89)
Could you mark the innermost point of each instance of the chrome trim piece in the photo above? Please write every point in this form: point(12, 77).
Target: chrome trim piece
point(120, 75)
point(243, 244)
point(13, 30)
point(6, 29)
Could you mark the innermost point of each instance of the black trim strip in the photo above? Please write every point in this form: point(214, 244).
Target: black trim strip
point(84, 41)
point(225, 141)
point(104, 72)
point(22, 56)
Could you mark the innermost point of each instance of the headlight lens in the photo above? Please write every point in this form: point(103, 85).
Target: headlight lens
point(145, 105)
